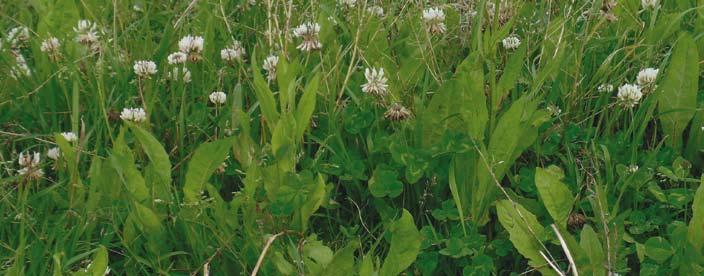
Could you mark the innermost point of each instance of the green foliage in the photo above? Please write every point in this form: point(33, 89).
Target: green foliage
point(502, 160)
point(677, 99)
point(405, 245)
point(555, 195)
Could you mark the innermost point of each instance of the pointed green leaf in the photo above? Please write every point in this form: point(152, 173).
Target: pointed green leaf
point(343, 261)
point(677, 95)
point(267, 103)
point(695, 231)
point(591, 245)
point(306, 106)
point(206, 159)
point(405, 246)
point(524, 232)
point(554, 194)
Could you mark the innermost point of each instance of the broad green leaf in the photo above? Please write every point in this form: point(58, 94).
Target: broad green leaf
point(123, 163)
point(286, 78)
point(405, 246)
point(155, 151)
point(591, 245)
point(313, 202)
point(515, 131)
point(695, 231)
point(158, 173)
point(282, 265)
point(385, 182)
point(206, 159)
point(282, 143)
point(580, 257)
point(677, 94)
point(658, 249)
point(306, 106)
point(296, 191)
point(318, 252)
point(554, 194)
point(343, 261)
point(148, 220)
point(99, 265)
point(460, 104)
point(267, 103)
point(512, 71)
point(366, 268)
point(525, 233)
point(695, 144)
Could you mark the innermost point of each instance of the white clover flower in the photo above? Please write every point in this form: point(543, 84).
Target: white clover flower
point(191, 45)
point(511, 42)
point(29, 164)
point(29, 160)
point(133, 114)
point(397, 112)
point(605, 88)
point(70, 136)
point(347, 3)
point(435, 20)
point(309, 32)
point(649, 3)
point(376, 82)
point(629, 95)
point(177, 58)
point(632, 168)
point(51, 46)
point(53, 153)
point(30, 172)
point(86, 32)
point(554, 110)
point(376, 10)
point(647, 76)
point(180, 74)
point(145, 68)
point(269, 66)
point(232, 53)
point(18, 36)
point(20, 70)
point(218, 97)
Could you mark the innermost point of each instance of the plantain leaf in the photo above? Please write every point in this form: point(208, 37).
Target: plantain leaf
point(123, 162)
point(313, 201)
point(695, 231)
point(149, 222)
point(155, 151)
point(343, 261)
point(306, 106)
point(591, 245)
point(695, 144)
point(554, 194)
point(160, 166)
point(515, 131)
point(677, 95)
point(206, 159)
point(405, 246)
point(511, 73)
point(524, 232)
point(99, 265)
point(267, 103)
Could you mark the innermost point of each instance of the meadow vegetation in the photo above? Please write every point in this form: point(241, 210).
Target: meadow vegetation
point(351, 137)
